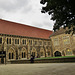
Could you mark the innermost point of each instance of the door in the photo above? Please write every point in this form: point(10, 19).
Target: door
point(57, 53)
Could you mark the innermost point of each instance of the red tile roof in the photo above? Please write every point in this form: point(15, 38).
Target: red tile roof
point(12, 28)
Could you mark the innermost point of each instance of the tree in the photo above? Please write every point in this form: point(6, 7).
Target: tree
point(62, 12)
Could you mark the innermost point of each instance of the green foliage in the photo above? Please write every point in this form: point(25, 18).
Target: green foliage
point(55, 57)
point(61, 11)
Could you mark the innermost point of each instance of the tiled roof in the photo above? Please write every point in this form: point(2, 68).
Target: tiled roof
point(58, 32)
point(12, 28)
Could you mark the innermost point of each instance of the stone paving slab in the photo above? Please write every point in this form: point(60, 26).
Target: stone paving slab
point(38, 69)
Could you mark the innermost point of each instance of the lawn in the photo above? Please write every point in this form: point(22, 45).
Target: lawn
point(55, 57)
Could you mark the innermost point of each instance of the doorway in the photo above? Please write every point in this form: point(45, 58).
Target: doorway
point(57, 53)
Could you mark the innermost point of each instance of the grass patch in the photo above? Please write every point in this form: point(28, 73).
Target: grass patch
point(55, 57)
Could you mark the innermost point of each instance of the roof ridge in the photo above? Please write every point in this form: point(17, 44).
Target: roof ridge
point(25, 25)
point(13, 28)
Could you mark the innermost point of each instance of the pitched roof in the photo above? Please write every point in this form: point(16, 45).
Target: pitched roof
point(12, 28)
point(58, 32)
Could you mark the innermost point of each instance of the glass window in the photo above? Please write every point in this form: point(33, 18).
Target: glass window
point(45, 43)
point(68, 52)
point(40, 42)
point(16, 41)
point(24, 55)
point(41, 53)
point(30, 42)
point(56, 41)
point(35, 42)
point(48, 53)
point(48, 43)
point(0, 40)
point(24, 41)
point(12, 56)
point(33, 53)
point(9, 55)
point(66, 39)
point(8, 40)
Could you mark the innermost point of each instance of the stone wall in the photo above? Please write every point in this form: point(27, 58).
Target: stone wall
point(24, 51)
point(52, 60)
point(62, 47)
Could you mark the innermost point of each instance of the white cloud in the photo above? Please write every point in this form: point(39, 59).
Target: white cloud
point(26, 12)
point(12, 5)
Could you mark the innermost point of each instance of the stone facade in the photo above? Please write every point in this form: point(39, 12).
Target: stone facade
point(21, 47)
point(63, 44)
point(21, 41)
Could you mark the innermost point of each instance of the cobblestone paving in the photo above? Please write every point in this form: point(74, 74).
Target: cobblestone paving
point(38, 69)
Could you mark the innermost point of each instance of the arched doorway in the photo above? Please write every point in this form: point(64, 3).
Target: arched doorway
point(57, 53)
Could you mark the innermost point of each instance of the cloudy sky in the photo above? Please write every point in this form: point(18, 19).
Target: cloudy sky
point(26, 12)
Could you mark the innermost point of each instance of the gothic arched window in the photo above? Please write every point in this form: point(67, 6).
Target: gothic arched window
point(24, 55)
point(9, 55)
point(12, 55)
point(68, 52)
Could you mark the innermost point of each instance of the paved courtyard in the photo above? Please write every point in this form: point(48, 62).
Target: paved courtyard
point(38, 69)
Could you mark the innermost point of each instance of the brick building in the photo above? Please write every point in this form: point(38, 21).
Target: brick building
point(21, 41)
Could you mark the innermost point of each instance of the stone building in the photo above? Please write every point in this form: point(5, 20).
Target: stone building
point(63, 44)
point(21, 41)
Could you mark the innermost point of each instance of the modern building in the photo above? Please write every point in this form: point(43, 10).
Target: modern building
point(20, 41)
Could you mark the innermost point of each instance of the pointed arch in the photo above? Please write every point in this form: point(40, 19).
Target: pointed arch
point(34, 52)
point(48, 51)
point(42, 52)
point(69, 51)
point(11, 49)
point(57, 53)
point(23, 49)
point(33, 49)
point(23, 53)
point(11, 53)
